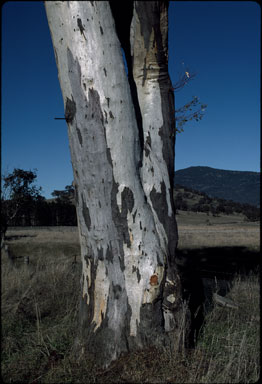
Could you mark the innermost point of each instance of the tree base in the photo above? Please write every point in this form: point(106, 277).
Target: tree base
point(104, 346)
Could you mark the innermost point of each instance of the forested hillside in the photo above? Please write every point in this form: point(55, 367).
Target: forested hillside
point(188, 199)
point(239, 186)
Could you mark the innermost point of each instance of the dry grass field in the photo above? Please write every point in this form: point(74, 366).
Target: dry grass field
point(40, 301)
point(220, 235)
point(196, 230)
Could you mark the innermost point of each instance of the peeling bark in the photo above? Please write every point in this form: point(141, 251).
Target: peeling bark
point(130, 289)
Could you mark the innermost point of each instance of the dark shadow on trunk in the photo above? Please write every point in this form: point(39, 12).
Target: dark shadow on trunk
point(122, 14)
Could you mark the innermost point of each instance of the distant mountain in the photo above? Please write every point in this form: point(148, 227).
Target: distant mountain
point(239, 186)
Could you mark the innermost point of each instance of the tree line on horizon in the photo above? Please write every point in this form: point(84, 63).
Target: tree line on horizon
point(23, 204)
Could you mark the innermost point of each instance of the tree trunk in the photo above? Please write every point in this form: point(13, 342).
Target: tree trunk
point(130, 288)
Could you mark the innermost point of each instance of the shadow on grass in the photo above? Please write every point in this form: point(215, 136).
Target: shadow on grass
point(211, 270)
point(17, 237)
point(222, 262)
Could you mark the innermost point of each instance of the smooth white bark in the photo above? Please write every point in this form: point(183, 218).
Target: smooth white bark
point(124, 245)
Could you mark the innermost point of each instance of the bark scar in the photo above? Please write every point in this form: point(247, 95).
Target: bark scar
point(154, 280)
point(80, 26)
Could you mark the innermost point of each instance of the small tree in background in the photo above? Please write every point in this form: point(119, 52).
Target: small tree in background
point(19, 196)
point(65, 196)
point(63, 208)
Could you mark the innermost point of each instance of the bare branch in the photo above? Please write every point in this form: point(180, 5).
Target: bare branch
point(184, 79)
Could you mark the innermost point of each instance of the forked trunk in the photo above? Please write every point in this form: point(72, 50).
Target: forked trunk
point(131, 294)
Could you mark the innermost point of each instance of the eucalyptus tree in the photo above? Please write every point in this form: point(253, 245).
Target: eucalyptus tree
point(19, 198)
point(122, 134)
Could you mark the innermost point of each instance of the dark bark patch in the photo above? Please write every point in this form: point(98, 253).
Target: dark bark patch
point(80, 26)
point(147, 146)
point(101, 30)
point(86, 258)
point(144, 72)
point(145, 11)
point(111, 115)
point(86, 214)
point(135, 269)
point(95, 106)
point(79, 136)
point(120, 218)
point(117, 289)
point(159, 202)
point(134, 216)
point(138, 275)
point(100, 254)
point(127, 200)
point(75, 79)
point(108, 101)
point(109, 158)
point(70, 110)
point(109, 255)
point(121, 261)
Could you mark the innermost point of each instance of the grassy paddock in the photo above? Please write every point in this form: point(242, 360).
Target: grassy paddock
point(39, 320)
point(197, 230)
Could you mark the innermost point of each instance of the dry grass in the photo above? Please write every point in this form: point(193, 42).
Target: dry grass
point(197, 230)
point(43, 235)
point(230, 338)
point(39, 319)
point(191, 236)
point(39, 309)
point(201, 218)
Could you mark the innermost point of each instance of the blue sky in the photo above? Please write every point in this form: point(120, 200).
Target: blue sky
point(219, 40)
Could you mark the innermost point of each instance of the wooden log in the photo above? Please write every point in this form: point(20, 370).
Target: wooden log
point(224, 302)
